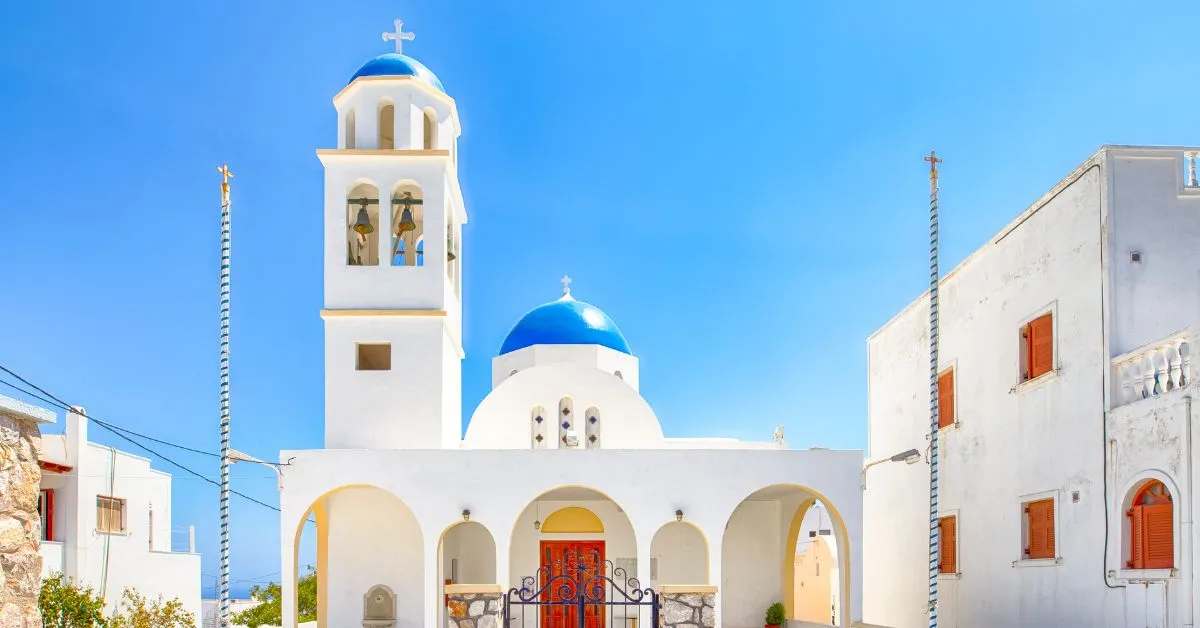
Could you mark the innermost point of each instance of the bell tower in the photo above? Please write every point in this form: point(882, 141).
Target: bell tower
point(393, 252)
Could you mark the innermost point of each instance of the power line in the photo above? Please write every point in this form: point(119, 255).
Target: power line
point(59, 403)
point(62, 405)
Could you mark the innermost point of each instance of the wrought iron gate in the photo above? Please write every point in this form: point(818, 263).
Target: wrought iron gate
point(580, 591)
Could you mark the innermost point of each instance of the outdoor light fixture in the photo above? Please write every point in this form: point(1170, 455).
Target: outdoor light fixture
point(537, 520)
point(466, 515)
point(679, 515)
point(911, 456)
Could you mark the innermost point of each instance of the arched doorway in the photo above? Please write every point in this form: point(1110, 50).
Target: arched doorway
point(763, 538)
point(567, 528)
point(678, 555)
point(367, 541)
point(467, 555)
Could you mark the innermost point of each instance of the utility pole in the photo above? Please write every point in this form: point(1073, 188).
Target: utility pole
point(934, 535)
point(223, 585)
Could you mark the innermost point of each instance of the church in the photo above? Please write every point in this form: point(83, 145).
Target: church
point(564, 504)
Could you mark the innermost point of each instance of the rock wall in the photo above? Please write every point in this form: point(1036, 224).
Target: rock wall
point(688, 609)
point(20, 525)
point(473, 610)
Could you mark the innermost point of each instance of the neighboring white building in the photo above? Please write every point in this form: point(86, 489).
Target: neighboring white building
point(563, 455)
point(106, 521)
point(1066, 467)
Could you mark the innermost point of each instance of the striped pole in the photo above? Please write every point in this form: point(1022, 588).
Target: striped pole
point(933, 389)
point(223, 614)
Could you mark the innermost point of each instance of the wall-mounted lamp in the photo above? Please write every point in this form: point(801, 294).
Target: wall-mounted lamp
point(466, 515)
point(679, 515)
point(911, 456)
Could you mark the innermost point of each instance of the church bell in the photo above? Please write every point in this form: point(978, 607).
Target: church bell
point(362, 225)
point(406, 221)
point(450, 256)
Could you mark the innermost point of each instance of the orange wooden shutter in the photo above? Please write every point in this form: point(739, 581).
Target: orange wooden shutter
point(948, 544)
point(1137, 538)
point(1158, 532)
point(946, 398)
point(1041, 346)
point(1041, 529)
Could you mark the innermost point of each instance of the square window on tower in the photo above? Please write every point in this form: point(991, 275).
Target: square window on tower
point(374, 357)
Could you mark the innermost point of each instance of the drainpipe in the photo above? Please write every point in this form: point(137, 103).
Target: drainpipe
point(1185, 527)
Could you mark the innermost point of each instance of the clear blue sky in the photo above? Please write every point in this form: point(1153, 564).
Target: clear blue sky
point(739, 185)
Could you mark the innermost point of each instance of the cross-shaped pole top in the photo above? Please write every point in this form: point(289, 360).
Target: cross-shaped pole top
point(399, 36)
point(226, 175)
point(933, 162)
point(566, 282)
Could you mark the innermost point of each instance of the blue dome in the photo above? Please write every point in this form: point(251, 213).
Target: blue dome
point(565, 322)
point(394, 64)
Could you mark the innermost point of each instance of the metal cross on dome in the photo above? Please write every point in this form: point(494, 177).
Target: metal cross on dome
point(566, 282)
point(399, 36)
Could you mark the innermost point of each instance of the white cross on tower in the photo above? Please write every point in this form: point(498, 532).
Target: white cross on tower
point(566, 282)
point(399, 36)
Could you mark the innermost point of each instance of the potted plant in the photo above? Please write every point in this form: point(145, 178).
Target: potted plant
point(774, 615)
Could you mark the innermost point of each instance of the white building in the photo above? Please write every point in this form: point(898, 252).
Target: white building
point(106, 521)
point(563, 456)
point(1066, 464)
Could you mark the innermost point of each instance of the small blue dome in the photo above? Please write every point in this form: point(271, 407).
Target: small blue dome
point(565, 322)
point(395, 64)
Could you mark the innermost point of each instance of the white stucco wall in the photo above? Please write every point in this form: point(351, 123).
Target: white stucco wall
point(648, 486)
point(1042, 438)
point(596, 356)
point(502, 420)
point(111, 562)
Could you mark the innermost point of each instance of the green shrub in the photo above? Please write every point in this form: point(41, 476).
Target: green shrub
point(775, 614)
point(66, 605)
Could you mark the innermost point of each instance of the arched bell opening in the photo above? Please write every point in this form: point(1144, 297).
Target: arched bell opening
point(387, 126)
point(362, 222)
point(408, 219)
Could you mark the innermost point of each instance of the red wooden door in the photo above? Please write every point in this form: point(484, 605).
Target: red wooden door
point(576, 560)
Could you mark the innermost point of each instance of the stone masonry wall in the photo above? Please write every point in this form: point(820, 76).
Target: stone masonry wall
point(20, 525)
point(688, 610)
point(473, 610)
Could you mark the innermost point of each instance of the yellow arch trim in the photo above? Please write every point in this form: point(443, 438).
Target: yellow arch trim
point(840, 533)
point(575, 519)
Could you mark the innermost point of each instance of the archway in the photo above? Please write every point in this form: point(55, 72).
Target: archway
point(759, 556)
point(362, 225)
point(365, 537)
point(678, 555)
point(408, 224)
point(563, 525)
point(467, 555)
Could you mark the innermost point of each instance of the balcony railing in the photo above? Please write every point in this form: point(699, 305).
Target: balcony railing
point(1155, 369)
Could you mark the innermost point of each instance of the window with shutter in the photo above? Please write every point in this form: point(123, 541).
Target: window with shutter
point(948, 544)
point(1038, 349)
point(946, 407)
point(1151, 528)
point(110, 514)
point(1039, 522)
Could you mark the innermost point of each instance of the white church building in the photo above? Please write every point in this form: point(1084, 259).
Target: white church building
point(564, 467)
point(1067, 474)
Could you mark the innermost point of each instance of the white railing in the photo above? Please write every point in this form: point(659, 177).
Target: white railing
point(1154, 369)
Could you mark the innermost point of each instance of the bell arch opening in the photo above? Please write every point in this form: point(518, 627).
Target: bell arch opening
point(387, 126)
point(362, 223)
point(408, 225)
